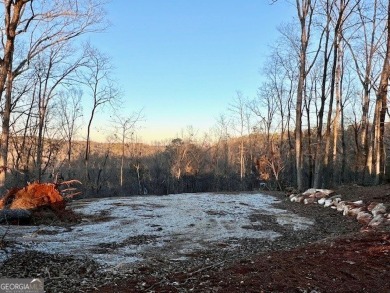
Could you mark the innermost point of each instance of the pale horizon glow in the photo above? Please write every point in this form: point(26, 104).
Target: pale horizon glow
point(183, 61)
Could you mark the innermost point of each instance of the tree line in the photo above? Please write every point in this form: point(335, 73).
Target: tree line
point(328, 77)
point(45, 72)
point(318, 120)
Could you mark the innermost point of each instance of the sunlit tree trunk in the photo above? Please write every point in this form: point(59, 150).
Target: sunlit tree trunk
point(305, 11)
point(328, 158)
point(12, 15)
point(338, 93)
point(319, 157)
point(366, 82)
point(381, 109)
point(365, 68)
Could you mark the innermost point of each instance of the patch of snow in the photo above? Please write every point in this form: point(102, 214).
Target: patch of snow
point(297, 222)
point(130, 228)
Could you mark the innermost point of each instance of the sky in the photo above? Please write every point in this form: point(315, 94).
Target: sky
point(183, 61)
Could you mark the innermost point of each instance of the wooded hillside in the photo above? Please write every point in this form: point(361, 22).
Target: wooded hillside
point(319, 118)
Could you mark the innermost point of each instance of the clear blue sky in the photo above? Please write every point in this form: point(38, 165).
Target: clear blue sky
point(183, 60)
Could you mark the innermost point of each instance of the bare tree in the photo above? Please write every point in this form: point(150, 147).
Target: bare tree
point(222, 151)
point(239, 109)
point(39, 25)
point(305, 10)
point(310, 101)
point(343, 11)
point(125, 128)
point(52, 70)
point(178, 151)
point(365, 54)
point(320, 117)
point(70, 107)
point(381, 108)
point(101, 88)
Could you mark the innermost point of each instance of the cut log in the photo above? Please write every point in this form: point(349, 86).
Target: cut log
point(7, 216)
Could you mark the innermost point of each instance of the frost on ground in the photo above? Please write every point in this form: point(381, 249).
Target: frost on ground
point(118, 231)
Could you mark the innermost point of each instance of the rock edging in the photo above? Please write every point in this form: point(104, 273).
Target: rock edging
point(370, 215)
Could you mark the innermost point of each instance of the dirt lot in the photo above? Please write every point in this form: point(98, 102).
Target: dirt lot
point(356, 263)
point(333, 255)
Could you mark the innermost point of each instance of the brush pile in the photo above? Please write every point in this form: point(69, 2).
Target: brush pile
point(369, 214)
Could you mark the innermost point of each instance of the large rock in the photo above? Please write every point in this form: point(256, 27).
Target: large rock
point(379, 209)
point(318, 193)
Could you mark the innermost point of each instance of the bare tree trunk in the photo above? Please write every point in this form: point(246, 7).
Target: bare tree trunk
point(88, 144)
point(365, 72)
point(123, 155)
point(328, 160)
point(343, 143)
point(307, 102)
point(13, 13)
point(5, 129)
point(298, 128)
point(338, 92)
point(137, 167)
point(366, 95)
point(319, 148)
point(381, 109)
point(242, 162)
point(365, 127)
point(304, 9)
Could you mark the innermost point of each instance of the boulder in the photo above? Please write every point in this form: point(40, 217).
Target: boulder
point(341, 205)
point(328, 202)
point(364, 218)
point(371, 206)
point(318, 193)
point(376, 221)
point(310, 200)
point(321, 201)
point(309, 191)
point(354, 212)
point(378, 209)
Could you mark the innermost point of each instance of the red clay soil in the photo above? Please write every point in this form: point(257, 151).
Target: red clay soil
point(354, 262)
point(359, 262)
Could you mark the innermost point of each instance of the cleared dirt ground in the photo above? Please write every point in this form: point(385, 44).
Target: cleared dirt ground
point(336, 255)
point(333, 255)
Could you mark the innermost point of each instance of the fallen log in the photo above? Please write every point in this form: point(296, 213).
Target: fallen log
point(19, 215)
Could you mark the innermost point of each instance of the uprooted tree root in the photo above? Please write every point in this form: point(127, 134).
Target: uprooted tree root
point(37, 201)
